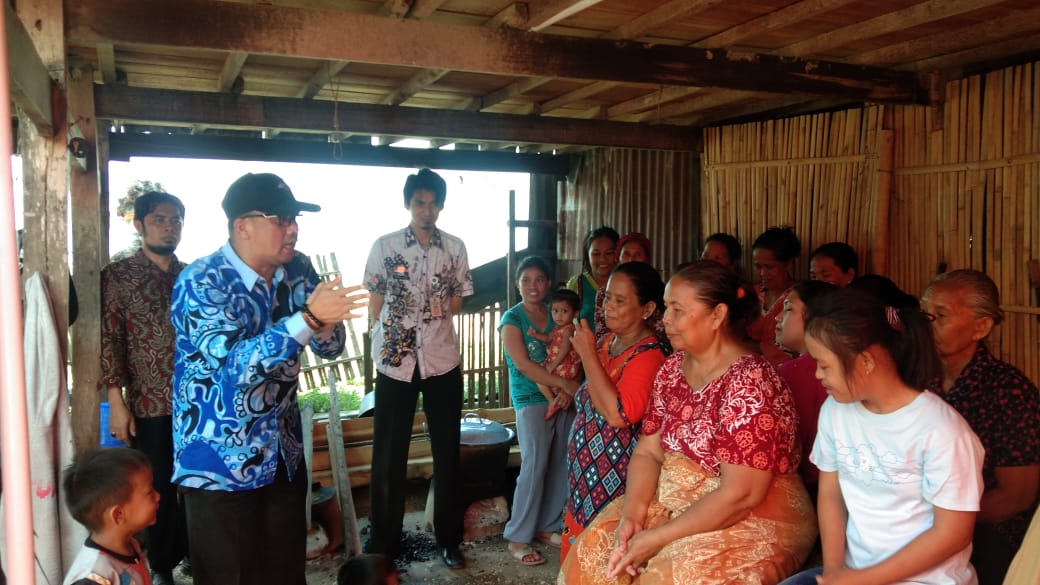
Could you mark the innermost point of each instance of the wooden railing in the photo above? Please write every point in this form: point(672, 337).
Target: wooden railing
point(485, 380)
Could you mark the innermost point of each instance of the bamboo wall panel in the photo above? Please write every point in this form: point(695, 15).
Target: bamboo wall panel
point(648, 191)
point(817, 174)
point(967, 195)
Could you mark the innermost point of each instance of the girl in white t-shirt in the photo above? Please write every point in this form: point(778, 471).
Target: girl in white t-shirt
point(900, 470)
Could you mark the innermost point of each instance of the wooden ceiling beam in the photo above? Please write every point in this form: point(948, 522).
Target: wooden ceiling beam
point(701, 102)
point(552, 11)
point(106, 56)
point(244, 111)
point(986, 57)
point(998, 29)
point(650, 101)
point(908, 17)
point(409, 8)
point(515, 89)
point(231, 70)
point(665, 13)
point(124, 146)
point(30, 81)
point(576, 95)
point(787, 16)
point(321, 78)
point(416, 83)
point(321, 34)
point(781, 18)
point(426, 77)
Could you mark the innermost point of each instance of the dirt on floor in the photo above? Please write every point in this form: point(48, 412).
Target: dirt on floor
point(488, 562)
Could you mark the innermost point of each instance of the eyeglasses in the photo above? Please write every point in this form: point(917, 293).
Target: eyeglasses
point(282, 220)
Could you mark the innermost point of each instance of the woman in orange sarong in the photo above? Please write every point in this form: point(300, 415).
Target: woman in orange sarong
point(713, 494)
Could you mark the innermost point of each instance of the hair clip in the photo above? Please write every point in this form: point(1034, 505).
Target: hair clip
point(740, 292)
point(892, 316)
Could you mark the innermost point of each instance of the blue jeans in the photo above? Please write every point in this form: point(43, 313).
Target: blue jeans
point(807, 577)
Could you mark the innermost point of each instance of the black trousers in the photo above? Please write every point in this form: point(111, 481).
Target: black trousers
point(395, 409)
point(991, 554)
point(251, 537)
point(168, 537)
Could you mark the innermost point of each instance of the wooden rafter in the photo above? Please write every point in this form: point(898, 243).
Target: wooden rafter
point(321, 78)
point(631, 30)
point(334, 35)
point(553, 11)
point(650, 100)
point(409, 8)
point(231, 70)
point(106, 56)
point(786, 16)
point(911, 16)
point(426, 77)
point(243, 111)
point(697, 103)
point(998, 29)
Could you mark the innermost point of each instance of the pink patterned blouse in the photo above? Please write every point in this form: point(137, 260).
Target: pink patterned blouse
point(745, 417)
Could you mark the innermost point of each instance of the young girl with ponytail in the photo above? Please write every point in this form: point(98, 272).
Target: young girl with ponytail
point(900, 470)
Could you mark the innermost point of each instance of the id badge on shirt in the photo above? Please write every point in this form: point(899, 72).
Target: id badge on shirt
point(435, 307)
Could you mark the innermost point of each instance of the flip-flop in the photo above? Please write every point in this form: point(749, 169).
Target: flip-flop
point(527, 556)
point(554, 539)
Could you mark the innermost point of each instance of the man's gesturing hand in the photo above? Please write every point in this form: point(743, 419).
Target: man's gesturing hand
point(331, 302)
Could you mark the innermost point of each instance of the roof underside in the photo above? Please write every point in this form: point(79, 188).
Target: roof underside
point(534, 76)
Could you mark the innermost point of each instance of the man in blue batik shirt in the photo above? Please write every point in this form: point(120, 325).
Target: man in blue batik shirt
point(242, 316)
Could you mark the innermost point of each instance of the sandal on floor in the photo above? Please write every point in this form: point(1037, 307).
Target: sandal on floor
point(554, 539)
point(527, 556)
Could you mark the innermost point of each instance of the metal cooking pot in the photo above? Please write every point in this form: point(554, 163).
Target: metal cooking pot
point(474, 430)
point(483, 454)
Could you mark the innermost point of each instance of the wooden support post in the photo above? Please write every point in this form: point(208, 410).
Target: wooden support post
point(45, 166)
point(87, 237)
point(340, 473)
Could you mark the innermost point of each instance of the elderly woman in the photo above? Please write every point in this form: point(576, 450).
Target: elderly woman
point(541, 488)
point(1001, 406)
point(600, 258)
point(619, 371)
point(713, 494)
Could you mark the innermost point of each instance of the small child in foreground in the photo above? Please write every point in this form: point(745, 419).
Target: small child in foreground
point(109, 491)
point(561, 358)
point(367, 569)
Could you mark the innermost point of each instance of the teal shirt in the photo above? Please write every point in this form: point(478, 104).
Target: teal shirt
point(523, 391)
point(584, 286)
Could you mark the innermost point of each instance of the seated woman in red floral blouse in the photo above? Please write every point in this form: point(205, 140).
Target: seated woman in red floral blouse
point(713, 493)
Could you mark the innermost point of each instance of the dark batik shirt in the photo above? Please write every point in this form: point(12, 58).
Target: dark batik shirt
point(136, 333)
point(1002, 406)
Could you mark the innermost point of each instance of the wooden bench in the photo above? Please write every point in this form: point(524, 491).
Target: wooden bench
point(357, 447)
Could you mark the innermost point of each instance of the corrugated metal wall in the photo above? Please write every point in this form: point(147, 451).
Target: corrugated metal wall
point(647, 191)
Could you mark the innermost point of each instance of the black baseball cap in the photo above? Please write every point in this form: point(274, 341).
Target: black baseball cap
point(264, 192)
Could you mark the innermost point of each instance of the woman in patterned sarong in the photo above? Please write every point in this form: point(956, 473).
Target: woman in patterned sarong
point(620, 371)
point(713, 494)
